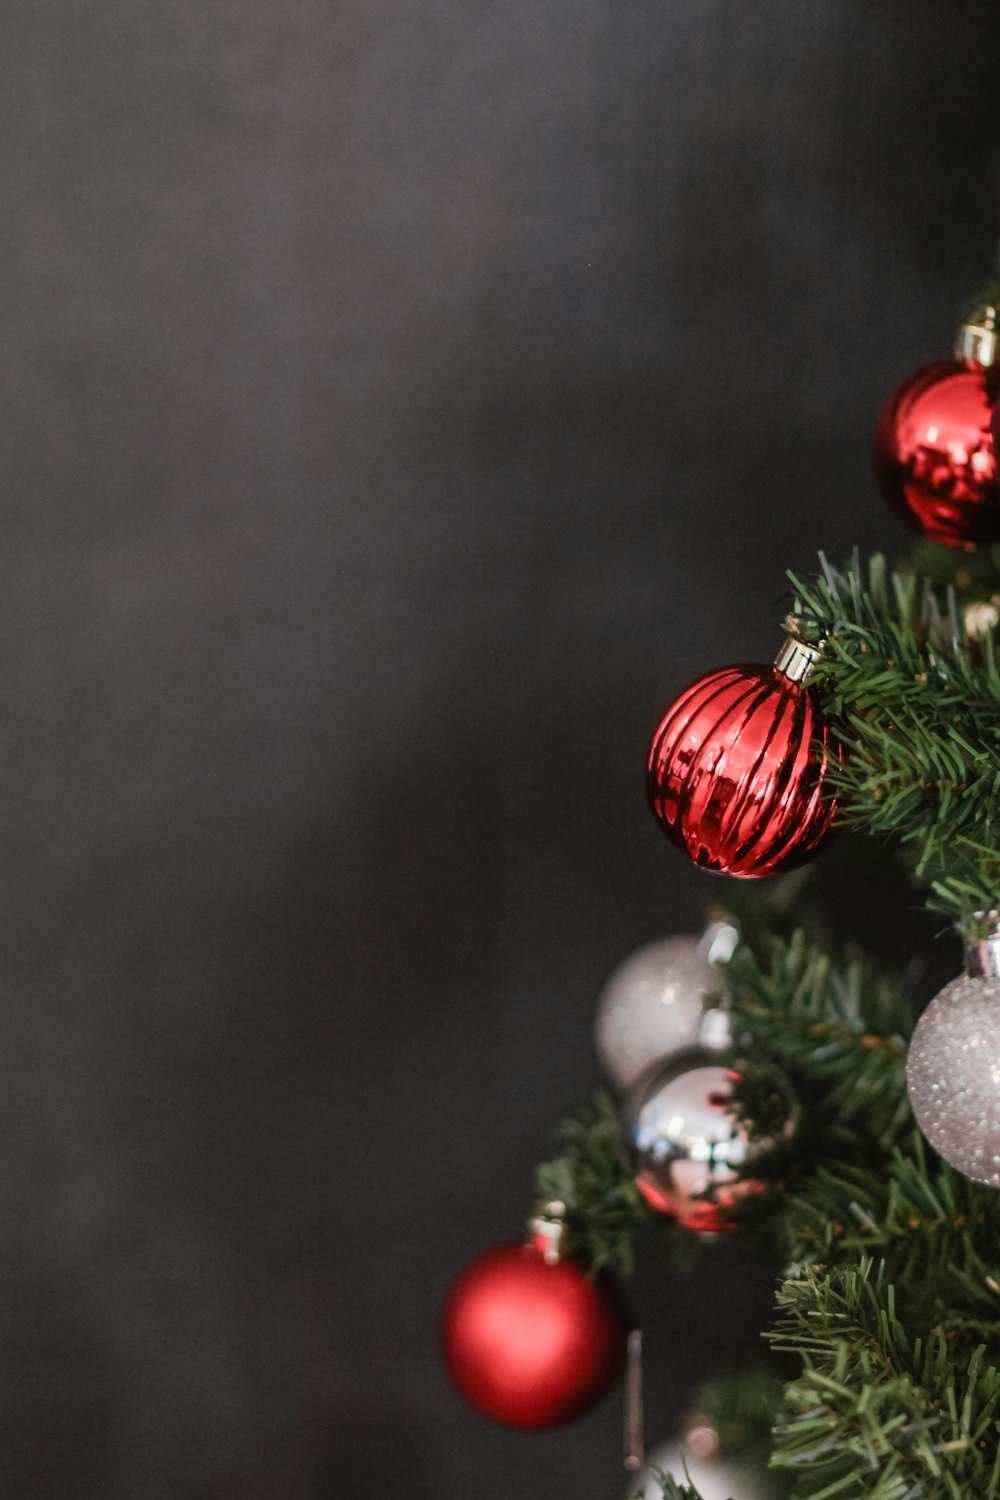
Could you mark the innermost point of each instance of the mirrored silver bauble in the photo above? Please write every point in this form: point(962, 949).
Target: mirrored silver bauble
point(714, 1477)
point(691, 1148)
point(653, 1004)
point(953, 1076)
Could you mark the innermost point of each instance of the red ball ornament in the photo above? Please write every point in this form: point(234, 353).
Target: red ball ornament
point(735, 777)
point(935, 457)
point(531, 1341)
point(935, 453)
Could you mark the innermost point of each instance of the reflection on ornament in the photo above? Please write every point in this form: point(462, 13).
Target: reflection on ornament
point(652, 1006)
point(953, 1070)
point(734, 777)
point(529, 1340)
point(690, 1146)
point(714, 1477)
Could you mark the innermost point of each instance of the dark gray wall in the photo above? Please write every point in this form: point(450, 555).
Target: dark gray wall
point(400, 401)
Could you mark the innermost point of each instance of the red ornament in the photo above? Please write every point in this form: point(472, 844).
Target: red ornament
point(934, 453)
point(531, 1342)
point(735, 778)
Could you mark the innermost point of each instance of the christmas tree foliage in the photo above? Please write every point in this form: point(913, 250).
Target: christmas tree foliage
point(774, 1087)
point(912, 681)
point(890, 1300)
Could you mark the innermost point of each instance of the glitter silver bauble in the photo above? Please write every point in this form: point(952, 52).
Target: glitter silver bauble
point(653, 1004)
point(714, 1477)
point(953, 1076)
point(689, 1143)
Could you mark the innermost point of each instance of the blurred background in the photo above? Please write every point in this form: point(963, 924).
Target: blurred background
point(401, 402)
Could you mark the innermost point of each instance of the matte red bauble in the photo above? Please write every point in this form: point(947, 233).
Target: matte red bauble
point(934, 454)
point(531, 1342)
point(735, 776)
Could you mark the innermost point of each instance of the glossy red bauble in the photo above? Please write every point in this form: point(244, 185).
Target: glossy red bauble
point(935, 457)
point(530, 1343)
point(735, 776)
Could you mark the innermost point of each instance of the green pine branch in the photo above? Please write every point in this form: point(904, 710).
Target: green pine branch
point(590, 1174)
point(838, 1031)
point(938, 1232)
point(915, 705)
point(880, 1410)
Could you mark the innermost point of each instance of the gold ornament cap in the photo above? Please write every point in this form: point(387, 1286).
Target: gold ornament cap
point(978, 337)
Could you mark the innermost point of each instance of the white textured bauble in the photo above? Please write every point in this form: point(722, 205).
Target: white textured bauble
point(652, 1006)
point(953, 1077)
point(714, 1477)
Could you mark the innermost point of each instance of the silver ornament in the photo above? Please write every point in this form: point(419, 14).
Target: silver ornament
point(953, 1076)
point(714, 1477)
point(653, 1004)
point(689, 1143)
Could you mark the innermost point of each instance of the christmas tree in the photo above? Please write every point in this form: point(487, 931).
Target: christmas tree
point(774, 1087)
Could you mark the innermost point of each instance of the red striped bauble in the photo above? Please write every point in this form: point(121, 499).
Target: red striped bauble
point(736, 772)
